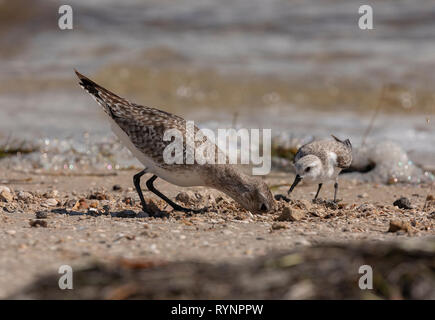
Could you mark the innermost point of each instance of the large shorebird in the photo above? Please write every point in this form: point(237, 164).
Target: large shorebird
point(141, 130)
point(320, 161)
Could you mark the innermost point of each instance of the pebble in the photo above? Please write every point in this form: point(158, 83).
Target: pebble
point(25, 196)
point(93, 211)
point(129, 201)
point(94, 204)
point(185, 197)
point(52, 194)
point(397, 225)
point(81, 205)
point(116, 187)
point(99, 196)
point(6, 196)
point(303, 204)
point(70, 203)
point(38, 223)
point(50, 203)
point(290, 215)
point(10, 208)
point(278, 226)
point(403, 203)
point(2, 188)
point(41, 214)
point(430, 201)
point(317, 213)
point(365, 207)
point(11, 232)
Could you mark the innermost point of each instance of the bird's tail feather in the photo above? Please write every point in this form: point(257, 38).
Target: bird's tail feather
point(345, 142)
point(104, 97)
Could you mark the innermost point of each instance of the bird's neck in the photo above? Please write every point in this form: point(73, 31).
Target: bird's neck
point(228, 179)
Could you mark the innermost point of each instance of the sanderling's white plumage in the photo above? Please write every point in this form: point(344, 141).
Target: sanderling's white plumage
point(141, 129)
point(320, 161)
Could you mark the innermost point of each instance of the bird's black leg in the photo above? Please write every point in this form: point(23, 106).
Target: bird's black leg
point(176, 207)
point(318, 190)
point(335, 191)
point(136, 182)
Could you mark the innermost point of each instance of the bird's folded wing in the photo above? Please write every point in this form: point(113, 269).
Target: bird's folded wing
point(344, 156)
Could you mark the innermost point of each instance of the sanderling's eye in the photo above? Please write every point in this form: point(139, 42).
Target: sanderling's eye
point(263, 207)
point(308, 169)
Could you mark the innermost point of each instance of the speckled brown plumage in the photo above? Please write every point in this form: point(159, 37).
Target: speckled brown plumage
point(320, 161)
point(144, 128)
point(144, 125)
point(321, 148)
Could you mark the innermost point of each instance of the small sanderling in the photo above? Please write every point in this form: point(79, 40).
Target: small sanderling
point(141, 129)
point(320, 161)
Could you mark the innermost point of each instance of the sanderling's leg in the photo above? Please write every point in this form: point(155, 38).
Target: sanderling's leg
point(136, 182)
point(318, 190)
point(176, 207)
point(335, 191)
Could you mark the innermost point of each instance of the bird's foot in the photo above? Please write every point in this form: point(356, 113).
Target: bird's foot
point(318, 201)
point(279, 197)
point(146, 212)
point(332, 204)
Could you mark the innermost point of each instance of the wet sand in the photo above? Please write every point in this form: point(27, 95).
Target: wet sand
point(105, 226)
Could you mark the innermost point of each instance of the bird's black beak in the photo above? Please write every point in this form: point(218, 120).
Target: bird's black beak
point(295, 183)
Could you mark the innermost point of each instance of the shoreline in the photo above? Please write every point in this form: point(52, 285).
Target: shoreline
point(77, 233)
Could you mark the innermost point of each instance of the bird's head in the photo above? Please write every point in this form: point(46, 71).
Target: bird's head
point(252, 193)
point(257, 198)
point(309, 168)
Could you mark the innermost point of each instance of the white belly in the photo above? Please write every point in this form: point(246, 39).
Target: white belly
point(184, 178)
point(125, 139)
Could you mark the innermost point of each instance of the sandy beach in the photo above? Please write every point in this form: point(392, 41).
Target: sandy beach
point(55, 219)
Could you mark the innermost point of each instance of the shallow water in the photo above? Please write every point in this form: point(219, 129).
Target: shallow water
point(312, 71)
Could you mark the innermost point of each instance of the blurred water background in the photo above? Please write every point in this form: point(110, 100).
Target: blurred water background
point(300, 67)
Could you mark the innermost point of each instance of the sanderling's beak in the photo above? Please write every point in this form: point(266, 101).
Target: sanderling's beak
point(295, 183)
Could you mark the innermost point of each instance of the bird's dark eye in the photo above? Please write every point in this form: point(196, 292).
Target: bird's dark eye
point(263, 207)
point(308, 169)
